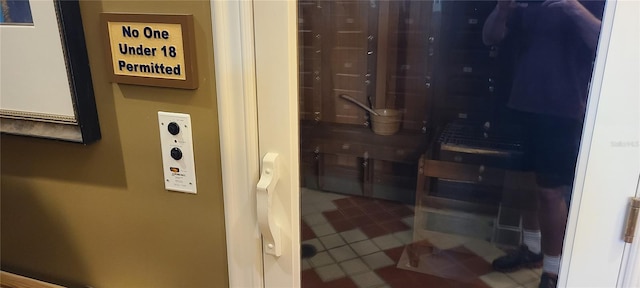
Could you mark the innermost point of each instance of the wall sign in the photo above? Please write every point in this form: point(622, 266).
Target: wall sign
point(152, 50)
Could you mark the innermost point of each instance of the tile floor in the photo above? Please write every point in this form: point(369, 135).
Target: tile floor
point(361, 242)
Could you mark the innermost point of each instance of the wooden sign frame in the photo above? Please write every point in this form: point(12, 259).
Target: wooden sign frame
point(188, 44)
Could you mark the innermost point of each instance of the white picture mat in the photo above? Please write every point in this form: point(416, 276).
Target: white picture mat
point(33, 74)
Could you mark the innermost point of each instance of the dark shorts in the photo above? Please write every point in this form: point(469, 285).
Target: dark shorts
point(551, 146)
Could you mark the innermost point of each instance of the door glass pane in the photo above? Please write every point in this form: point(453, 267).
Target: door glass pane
point(439, 139)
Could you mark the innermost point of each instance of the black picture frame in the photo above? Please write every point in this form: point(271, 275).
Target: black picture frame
point(86, 128)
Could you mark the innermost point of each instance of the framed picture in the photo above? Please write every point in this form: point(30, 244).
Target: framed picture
point(46, 86)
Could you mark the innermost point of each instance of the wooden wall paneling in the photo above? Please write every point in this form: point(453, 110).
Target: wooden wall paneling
point(432, 26)
point(468, 15)
point(388, 90)
point(377, 11)
point(355, 46)
point(321, 169)
point(317, 62)
point(408, 62)
point(367, 172)
point(349, 60)
point(394, 181)
point(310, 90)
point(310, 93)
point(356, 140)
point(465, 82)
point(309, 168)
point(435, 51)
point(383, 55)
point(310, 156)
point(326, 44)
point(460, 68)
point(342, 174)
point(397, 62)
point(305, 39)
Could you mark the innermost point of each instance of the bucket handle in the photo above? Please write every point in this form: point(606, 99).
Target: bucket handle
point(354, 101)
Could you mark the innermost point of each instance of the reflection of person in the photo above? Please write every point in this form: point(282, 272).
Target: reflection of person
point(555, 43)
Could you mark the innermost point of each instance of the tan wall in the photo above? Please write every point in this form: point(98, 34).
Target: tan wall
point(98, 215)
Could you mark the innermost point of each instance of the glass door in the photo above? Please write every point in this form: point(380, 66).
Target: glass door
point(448, 176)
point(439, 139)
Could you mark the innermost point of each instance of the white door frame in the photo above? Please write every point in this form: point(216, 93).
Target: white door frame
point(276, 53)
point(235, 65)
point(238, 120)
point(601, 189)
point(237, 105)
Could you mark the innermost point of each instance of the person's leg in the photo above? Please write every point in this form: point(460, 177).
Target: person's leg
point(530, 220)
point(529, 198)
point(531, 234)
point(529, 254)
point(553, 221)
point(558, 146)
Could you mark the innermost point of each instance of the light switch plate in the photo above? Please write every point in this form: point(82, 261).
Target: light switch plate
point(177, 152)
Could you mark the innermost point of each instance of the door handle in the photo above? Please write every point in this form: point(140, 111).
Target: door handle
point(269, 229)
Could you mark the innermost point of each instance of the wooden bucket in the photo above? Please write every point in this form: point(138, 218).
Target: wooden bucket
point(387, 122)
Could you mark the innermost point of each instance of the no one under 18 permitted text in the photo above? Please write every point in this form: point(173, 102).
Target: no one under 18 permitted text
point(153, 68)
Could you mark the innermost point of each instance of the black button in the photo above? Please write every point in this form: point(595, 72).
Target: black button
point(173, 128)
point(176, 153)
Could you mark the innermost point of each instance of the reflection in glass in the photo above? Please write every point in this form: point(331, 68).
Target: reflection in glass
point(491, 95)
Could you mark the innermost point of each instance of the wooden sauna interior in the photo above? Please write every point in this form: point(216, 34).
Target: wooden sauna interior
point(425, 58)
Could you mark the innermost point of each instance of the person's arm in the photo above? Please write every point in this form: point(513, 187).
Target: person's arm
point(588, 24)
point(495, 27)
